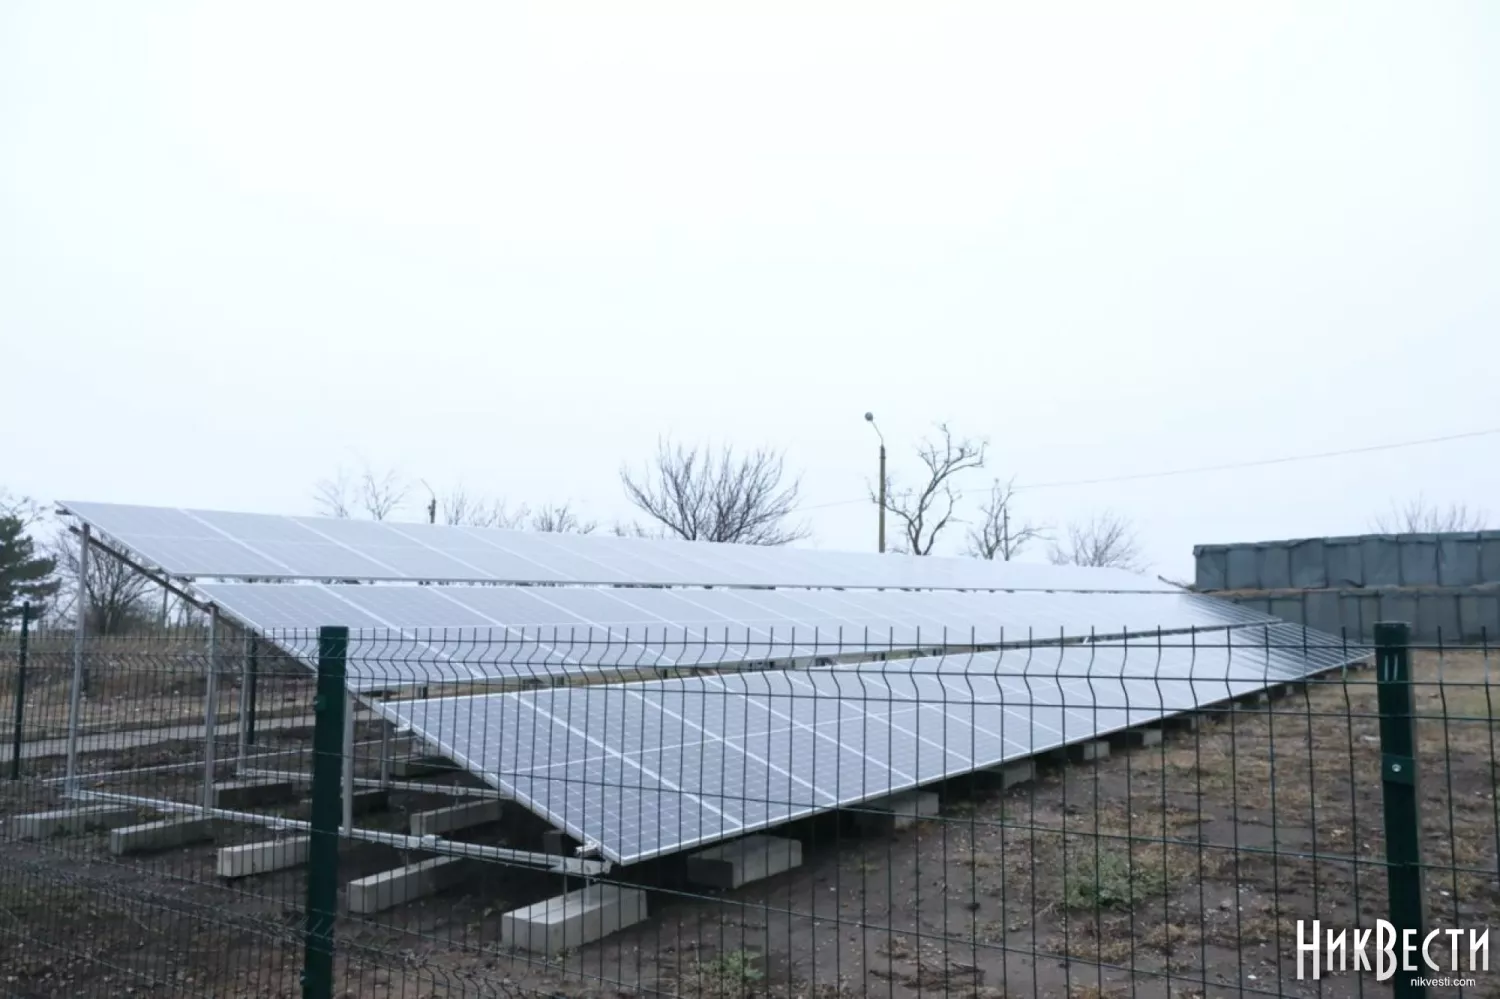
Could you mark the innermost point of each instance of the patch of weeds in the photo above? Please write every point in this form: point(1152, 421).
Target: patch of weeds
point(732, 973)
point(1108, 877)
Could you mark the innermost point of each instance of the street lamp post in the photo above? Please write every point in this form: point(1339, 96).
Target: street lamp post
point(871, 418)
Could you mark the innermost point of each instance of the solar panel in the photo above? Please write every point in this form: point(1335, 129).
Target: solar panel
point(462, 633)
point(213, 544)
point(642, 770)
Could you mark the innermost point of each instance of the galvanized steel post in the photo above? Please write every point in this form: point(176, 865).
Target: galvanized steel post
point(210, 707)
point(22, 655)
point(323, 849)
point(1400, 789)
point(80, 628)
point(244, 704)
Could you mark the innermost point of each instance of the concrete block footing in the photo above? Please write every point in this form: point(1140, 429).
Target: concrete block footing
point(572, 920)
point(1009, 775)
point(389, 889)
point(252, 792)
point(41, 825)
point(261, 858)
point(441, 820)
point(159, 835)
point(1143, 737)
point(899, 811)
point(753, 858)
point(1087, 752)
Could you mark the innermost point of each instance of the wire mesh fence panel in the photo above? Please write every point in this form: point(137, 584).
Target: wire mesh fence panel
point(649, 812)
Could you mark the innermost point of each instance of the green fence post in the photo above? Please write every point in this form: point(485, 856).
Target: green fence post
point(21, 657)
point(1400, 793)
point(323, 849)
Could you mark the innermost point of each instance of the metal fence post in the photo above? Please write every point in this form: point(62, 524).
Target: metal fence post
point(251, 683)
point(323, 850)
point(1399, 789)
point(80, 629)
point(211, 708)
point(15, 744)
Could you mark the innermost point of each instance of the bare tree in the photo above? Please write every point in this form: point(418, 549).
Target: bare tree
point(923, 513)
point(1417, 517)
point(374, 494)
point(462, 510)
point(118, 596)
point(334, 497)
point(561, 519)
point(699, 495)
point(1104, 541)
point(996, 537)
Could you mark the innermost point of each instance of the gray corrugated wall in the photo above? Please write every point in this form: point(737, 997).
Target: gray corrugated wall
point(1435, 616)
point(1463, 559)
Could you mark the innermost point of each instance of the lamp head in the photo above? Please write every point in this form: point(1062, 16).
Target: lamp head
point(870, 417)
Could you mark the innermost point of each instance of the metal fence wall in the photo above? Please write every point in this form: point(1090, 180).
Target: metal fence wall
point(1446, 585)
point(1468, 559)
point(1166, 858)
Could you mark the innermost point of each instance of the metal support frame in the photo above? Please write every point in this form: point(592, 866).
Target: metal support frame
point(414, 787)
point(244, 706)
point(22, 655)
point(211, 707)
point(80, 629)
point(400, 841)
point(385, 754)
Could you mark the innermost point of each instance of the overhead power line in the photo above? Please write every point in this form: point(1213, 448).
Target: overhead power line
point(1224, 467)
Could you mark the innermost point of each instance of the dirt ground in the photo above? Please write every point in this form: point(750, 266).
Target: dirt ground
point(1172, 870)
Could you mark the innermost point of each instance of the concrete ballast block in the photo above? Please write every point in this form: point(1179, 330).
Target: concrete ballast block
point(160, 835)
point(260, 858)
point(1142, 736)
point(40, 825)
point(574, 919)
point(392, 888)
point(1084, 752)
point(251, 793)
point(441, 820)
point(753, 858)
point(899, 811)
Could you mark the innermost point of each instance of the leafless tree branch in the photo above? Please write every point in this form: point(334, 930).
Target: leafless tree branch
point(925, 512)
point(118, 596)
point(374, 494)
point(997, 535)
point(561, 519)
point(1419, 517)
point(1105, 541)
point(460, 509)
point(698, 495)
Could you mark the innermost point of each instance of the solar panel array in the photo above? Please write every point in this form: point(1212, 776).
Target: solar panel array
point(213, 544)
point(647, 769)
point(638, 770)
point(404, 634)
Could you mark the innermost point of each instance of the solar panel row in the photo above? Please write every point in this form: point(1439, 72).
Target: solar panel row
point(214, 544)
point(433, 634)
point(647, 769)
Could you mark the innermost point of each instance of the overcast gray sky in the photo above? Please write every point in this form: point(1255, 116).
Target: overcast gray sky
point(509, 245)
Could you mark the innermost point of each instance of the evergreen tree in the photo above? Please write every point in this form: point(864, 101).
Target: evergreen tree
point(24, 575)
